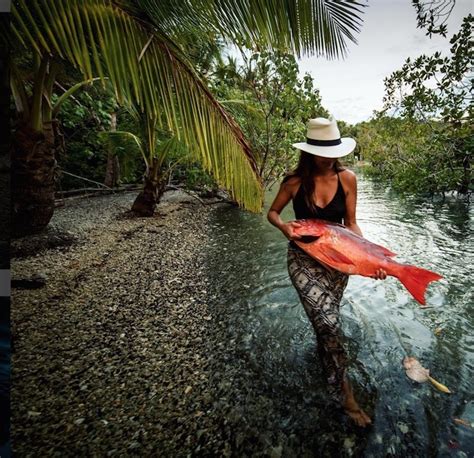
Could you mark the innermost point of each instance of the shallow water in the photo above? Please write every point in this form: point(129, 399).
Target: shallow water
point(270, 375)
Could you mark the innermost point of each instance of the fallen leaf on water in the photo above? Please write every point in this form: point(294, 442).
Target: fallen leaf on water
point(461, 421)
point(439, 386)
point(415, 370)
point(420, 374)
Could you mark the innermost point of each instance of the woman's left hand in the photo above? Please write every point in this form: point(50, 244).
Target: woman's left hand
point(380, 274)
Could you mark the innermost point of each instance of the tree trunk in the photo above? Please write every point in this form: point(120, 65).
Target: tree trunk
point(112, 171)
point(153, 189)
point(33, 179)
point(466, 178)
point(5, 169)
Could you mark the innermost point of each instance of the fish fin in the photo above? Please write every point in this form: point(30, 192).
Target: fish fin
point(416, 281)
point(334, 255)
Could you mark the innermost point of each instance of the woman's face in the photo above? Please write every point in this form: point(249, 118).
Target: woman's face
point(324, 162)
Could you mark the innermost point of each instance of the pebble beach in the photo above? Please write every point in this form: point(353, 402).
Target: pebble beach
point(111, 349)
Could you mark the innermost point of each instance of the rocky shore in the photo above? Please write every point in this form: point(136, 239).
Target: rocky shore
point(113, 332)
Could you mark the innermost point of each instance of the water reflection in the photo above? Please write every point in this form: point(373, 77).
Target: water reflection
point(279, 400)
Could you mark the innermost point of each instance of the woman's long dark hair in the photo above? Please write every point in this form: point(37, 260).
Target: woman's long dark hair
point(306, 169)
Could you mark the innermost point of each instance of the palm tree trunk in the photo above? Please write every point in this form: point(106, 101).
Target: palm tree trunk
point(33, 179)
point(153, 189)
point(112, 170)
point(5, 142)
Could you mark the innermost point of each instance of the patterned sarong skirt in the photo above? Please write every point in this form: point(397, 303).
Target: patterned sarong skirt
point(320, 290)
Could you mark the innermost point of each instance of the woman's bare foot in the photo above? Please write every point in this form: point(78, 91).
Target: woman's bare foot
point(351, 407)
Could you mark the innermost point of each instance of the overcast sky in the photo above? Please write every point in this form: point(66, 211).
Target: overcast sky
point(353, 87)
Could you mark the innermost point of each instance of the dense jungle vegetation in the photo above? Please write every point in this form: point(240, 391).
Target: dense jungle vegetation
point(423, 139)
point(151, 96)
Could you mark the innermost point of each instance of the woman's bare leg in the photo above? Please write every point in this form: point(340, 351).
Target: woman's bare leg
point(351, 407)
point(320, 291)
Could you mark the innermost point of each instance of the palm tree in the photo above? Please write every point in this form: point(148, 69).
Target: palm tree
point(136, 45)
point(34, 143)
point(154, 147)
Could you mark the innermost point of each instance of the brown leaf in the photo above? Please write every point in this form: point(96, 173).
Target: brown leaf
point(415, 370)
point(461, 421)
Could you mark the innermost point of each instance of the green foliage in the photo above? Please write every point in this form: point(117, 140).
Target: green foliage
point(83, 118)
point(271, 104)
point(184, 169)
point(193, 176)
point(417, 157)
point(433, 15)
point(300, 27)
point(428, 148)
point(436, 86)
point(137, 46)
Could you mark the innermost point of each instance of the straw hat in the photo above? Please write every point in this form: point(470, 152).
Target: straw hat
point(323, 139)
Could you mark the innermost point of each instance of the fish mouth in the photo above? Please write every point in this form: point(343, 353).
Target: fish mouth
point(308, 238)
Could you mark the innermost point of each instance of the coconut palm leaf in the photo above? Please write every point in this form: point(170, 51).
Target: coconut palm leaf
point(122, 139)
point(243, 106)
point(69, 93)
point(302, 26)
point(146, 68)
point(122, 142)
point(101, 39)
point(126, 146)
point(19, 93)
point(167, 147)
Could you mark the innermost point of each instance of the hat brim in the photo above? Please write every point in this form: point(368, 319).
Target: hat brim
point(346, 147)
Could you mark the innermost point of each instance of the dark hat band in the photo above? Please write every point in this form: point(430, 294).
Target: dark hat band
point(312, 141)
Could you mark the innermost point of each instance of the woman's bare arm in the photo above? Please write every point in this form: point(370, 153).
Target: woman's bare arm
point(279, 203)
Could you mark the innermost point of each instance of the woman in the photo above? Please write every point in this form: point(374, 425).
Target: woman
point(321, 188)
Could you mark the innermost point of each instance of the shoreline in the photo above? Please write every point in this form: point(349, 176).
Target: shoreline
point(113, 354)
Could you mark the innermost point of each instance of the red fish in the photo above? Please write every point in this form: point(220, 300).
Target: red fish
point(338, 247)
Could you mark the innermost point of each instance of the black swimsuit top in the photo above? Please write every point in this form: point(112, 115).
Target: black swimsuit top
point(334, 211)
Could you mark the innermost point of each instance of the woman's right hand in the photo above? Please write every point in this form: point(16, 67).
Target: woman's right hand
point(289, 228)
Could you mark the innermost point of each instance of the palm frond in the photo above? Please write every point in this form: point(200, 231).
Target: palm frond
point(168, 147)
point(69, 93)
point(304, 27)
point(243, 106)
point(121, 141)
point(101, 39)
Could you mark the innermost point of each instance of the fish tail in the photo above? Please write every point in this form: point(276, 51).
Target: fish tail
point(416, 281)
